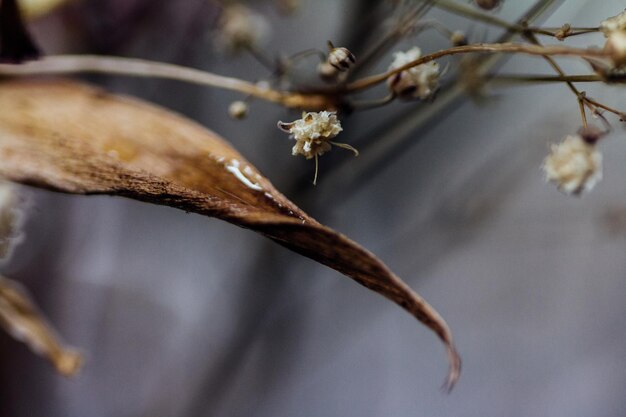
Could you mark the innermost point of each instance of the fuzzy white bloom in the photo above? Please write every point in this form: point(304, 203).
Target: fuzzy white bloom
point(615, 47)
point(11, 219)
point(420, 81)
point(240, 27)
point(313, 132)
point(613, 23)
point(573, 165)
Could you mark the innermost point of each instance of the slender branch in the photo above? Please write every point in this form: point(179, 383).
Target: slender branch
point(588, 78)
point(72, 64)
point(595, 103)
point(483, 47)
point(399, 30)
point(580, 96)
point(581, 108)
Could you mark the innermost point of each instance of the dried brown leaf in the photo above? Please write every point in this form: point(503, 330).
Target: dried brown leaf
point(21, 319)
point(73, 138)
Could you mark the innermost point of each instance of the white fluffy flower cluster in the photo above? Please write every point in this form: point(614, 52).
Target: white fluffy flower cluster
point(615, 47)
point(313, 132)
point(574, 165)
point(613, 24)
point(420, 81)
point(240, 27)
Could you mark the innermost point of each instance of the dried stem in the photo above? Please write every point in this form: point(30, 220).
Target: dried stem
point(326, 99)
point(587, 78)
point(69, 64)
point(545, 51)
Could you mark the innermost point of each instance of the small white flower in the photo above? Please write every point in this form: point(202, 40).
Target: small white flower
point(11, 219)
point(613, 23)
point(240, 28)
point(574, 165)
point(313, 134)
point(420, 81)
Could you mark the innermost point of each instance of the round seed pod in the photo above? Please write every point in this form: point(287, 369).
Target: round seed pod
point(341, 59)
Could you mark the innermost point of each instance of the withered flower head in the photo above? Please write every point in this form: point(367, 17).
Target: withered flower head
point(617, 22)
point(574, 165)
point(420, 81)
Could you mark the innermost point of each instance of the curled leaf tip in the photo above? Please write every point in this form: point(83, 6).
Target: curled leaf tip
point(454, 370)
point(72, 138)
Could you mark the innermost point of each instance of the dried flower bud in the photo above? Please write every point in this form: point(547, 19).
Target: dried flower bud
point(574, 165)
point(238, 110)
point(488, 4)
point(420, 81)
point(615, 47)
point(338, 60)
point(614, 23)
point(341, 59)
point(563, 32)
point(241, 28)
point(458, 38)
point(313, 134)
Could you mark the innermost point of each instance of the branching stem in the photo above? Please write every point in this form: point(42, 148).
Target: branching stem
point(326, 99)
point(72, 64)
point(545, 51)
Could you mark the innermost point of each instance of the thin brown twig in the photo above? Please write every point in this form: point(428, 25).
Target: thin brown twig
point(581, 97)
point(71, 64)
point(545, 51)
point(581, 107)
point(520, 78)
point(326, 99)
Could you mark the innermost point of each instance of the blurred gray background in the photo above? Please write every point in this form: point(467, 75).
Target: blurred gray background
point(181, 315)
